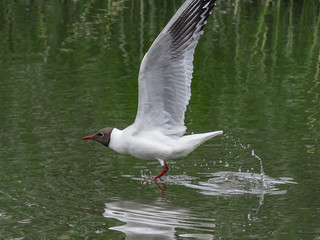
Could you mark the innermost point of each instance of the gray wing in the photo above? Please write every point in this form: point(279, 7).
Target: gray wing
point(166, 70)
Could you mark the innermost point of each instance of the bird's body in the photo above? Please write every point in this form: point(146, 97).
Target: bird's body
point(164, 93)
point(154, 145)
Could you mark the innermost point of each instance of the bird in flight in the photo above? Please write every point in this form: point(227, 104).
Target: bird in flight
point(164, 93)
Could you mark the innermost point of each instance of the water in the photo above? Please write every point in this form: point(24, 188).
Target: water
point(68, 69)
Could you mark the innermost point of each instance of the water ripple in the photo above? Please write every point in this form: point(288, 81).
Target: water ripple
point(230, 183)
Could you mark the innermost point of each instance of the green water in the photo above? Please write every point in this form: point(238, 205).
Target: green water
point(69, 68)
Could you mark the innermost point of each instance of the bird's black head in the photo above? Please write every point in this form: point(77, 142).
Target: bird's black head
point(102, 136)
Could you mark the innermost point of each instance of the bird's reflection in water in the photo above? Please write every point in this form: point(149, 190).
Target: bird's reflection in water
point(162, 187)
point(157, 221)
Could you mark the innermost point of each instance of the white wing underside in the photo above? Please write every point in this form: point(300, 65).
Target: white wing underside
point(166, 70)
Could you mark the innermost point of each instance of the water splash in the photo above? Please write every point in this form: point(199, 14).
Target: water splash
point(235, 183)
point(262, 174)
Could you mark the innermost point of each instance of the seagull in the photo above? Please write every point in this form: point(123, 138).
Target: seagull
point(164, 93)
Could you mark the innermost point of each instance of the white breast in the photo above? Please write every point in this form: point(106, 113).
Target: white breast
point(148, 145)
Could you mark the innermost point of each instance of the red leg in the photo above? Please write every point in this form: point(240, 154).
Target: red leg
point(164, 170)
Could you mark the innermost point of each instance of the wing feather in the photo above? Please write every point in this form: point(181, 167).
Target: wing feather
point(166, 70)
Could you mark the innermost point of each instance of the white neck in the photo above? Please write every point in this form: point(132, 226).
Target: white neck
point(117, 141)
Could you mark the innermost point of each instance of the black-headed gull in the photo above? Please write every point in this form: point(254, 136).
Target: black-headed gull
point(164, 92)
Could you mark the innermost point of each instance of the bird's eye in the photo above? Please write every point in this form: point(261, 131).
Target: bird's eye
point(100, 134)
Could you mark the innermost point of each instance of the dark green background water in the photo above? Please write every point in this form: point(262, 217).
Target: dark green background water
point(69, 68)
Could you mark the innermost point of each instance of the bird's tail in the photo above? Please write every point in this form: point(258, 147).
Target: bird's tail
point(197, 139)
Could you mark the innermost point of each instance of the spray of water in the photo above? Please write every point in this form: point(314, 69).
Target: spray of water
point(262, 174)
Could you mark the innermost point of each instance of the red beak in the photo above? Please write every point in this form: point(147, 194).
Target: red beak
point(87, 138)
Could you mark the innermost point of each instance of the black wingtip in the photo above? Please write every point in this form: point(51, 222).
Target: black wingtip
point(191, 21)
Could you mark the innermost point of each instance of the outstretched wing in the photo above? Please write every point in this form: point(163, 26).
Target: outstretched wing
point(166, 70)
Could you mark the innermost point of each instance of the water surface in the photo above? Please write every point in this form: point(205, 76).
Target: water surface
point(69, 68)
